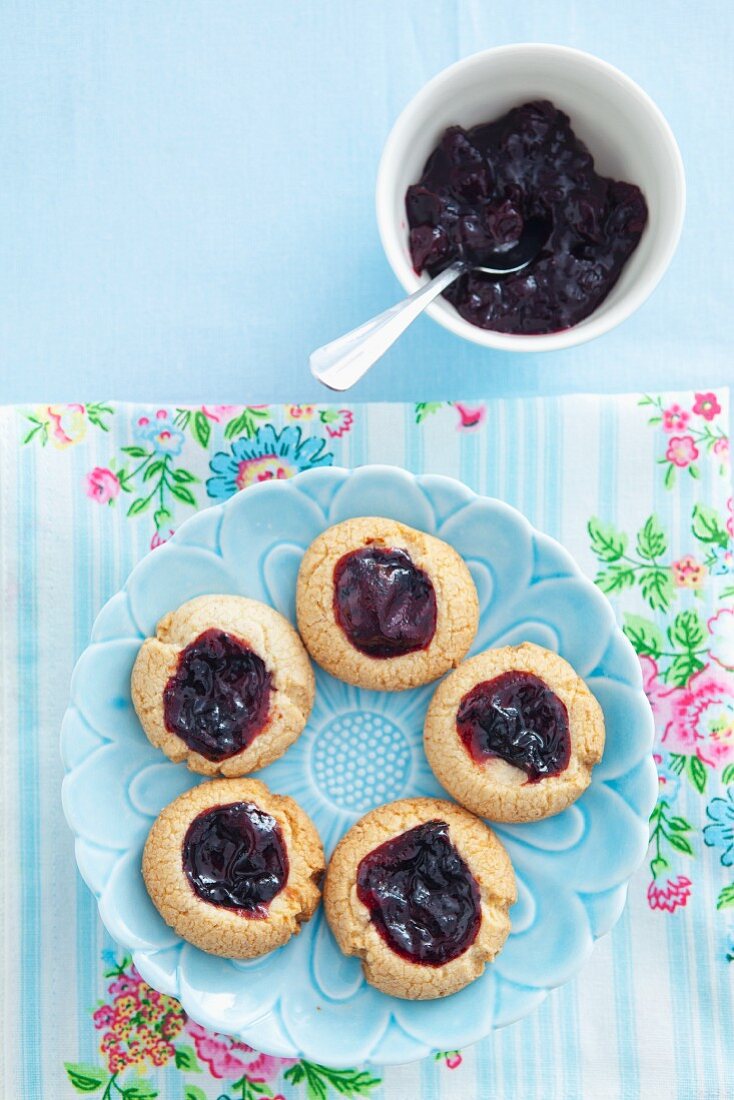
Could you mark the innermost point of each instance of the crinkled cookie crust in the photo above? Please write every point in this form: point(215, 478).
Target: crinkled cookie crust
point(350, 921)
point(215, 929)
point(264, 631)
point(494, 788)
point(457, 606)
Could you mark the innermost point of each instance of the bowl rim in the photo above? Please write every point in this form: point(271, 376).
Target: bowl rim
point(442, 311)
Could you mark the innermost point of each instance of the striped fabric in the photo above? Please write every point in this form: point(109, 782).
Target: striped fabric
point(637, 488)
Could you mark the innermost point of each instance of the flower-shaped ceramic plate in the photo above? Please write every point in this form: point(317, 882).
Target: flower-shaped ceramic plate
point(360, 748)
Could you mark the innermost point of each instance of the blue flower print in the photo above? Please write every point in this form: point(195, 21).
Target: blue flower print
point(723, 561)
point(266, 456)
point(668, 781)
point(721, 833)
point(158, 430)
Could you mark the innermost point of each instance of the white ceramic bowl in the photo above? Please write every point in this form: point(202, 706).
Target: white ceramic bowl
point(626, 133)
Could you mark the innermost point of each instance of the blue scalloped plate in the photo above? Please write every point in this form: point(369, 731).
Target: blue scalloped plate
point(360, 748)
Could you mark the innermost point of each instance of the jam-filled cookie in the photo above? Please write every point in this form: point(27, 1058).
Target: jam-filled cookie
point(420, 890)
point(513, 734)
point(384, 606)
point(225, 685)
point(233, 868)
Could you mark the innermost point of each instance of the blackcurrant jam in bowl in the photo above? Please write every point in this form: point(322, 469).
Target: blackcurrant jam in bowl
point(519, 132)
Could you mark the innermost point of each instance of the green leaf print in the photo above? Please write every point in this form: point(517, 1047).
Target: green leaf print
point(96, 413)
point(84, 1077)
point(607, 543)
point(616, 579)
point(726, 897)
point(688, 631)
point(154, 469)
point(201, 429)
point(180, 492)
point(667, 830)
point(424, 409)
point(250, 1090)
point(657, 588)
point(318, 1079)
point(727, 776)
point(677, 763)
point(697, 773)
point(186, 1059)
point(193, 1092)
point(138, 506)
point(646, 637)
point(651, 540)
point(685, 665)
point(707, 527)
point(680, 843)
point(688, 634)
point(246, 423)
point(142, 1090)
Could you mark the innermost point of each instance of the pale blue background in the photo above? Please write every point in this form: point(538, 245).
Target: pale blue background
point(186, 193)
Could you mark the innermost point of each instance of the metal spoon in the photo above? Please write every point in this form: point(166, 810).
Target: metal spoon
point(342, 362)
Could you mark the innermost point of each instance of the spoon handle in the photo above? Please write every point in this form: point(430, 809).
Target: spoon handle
point(342, 362)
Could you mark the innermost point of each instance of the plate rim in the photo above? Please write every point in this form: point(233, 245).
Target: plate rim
point(143, 958)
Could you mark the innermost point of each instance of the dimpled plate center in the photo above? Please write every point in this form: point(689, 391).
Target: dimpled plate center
point(360, 759)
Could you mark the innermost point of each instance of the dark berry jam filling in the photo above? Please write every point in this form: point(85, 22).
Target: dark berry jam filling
point(421, 896)
point(218, 699)
point(478, 189)
point(234, 857)
point(383, 602)
point(517, 717)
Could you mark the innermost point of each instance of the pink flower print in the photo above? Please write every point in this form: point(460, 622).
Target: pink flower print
point(675, 419)
point(701, 717)
point(103, 1016)
point(102, 485)
point(659, 695)
point(670, 897)
point(116, 1060)
point(453, 1060)
point(125, 1005)
point(340, 424)
point(159, 537)
point(706, 406)
point(469, 418)
point(125, 983)
point(162, 1052)
point(730, 518)
point(688, 573)
point(67, 424)
point(721, 449)
point(220, 413)
point(227, 1058)
point(682, 450)
point(300, 413)
point(721, 647)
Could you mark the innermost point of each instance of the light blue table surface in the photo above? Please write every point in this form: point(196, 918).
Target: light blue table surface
point(186, 194)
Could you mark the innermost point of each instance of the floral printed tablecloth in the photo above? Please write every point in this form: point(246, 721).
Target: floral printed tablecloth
point(639, 490)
